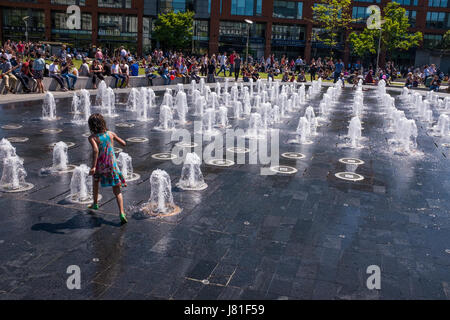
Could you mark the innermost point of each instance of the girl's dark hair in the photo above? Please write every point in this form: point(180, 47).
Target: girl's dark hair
point(97, 123)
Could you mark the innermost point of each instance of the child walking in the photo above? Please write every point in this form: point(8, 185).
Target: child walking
point(104, 166)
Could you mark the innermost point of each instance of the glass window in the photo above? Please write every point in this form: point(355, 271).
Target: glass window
point(201, 30)
point(227, 28)
point(13, 26)
point(243, 7)
point(69, 2)
point(14, 18)
point(258, 7)
point(360, 13)
point(406, 2)
point(411, 17)
point(438, 20)
point(59, 20)
point(288, 32)
point(431, 40)
point(31, 1)
point(439, 3)
point(287, 9)
point(369, 1)
point(177, 5)
point(116, 24)
point(114, 3)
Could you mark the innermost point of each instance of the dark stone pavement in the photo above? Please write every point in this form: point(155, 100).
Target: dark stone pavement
point(302, 236)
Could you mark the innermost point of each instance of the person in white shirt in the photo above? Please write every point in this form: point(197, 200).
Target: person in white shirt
point(116, 72)
point(125, 69)
point(53, 71)
point(223, 64)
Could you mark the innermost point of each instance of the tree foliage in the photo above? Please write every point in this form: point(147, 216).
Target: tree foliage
point(174, 30)
point(394, 34)
point(445, 44)
point(335, 17)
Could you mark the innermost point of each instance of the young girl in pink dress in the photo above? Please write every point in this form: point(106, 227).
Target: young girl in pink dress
point(104, 165)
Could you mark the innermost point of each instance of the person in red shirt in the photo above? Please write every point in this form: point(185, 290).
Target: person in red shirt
point(20, 48)
point(27, 75)
point(231, 59)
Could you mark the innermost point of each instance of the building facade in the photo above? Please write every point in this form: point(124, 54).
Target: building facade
point(279, 27)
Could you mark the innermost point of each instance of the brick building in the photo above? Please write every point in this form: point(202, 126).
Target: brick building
point(280, 27)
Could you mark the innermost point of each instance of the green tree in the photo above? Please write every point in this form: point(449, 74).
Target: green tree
point(394, 34)
point(174, 30)
point(335, 17)
point(445, 43)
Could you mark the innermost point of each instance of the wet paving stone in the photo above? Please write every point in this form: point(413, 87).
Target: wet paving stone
point(308, 235)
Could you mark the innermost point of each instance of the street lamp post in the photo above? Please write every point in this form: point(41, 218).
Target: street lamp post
point(25, 19)
point(378, 52)
point(249, 22)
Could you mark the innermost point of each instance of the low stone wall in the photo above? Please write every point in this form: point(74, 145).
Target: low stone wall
point(86, 83)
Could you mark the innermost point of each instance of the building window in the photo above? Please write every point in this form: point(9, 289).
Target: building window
point(175, 5)
point(431, 40)
point(111, 25)
point(69, 2)
point(13, 26)
point(288, 32)
point(31, 1)
point(368, 1)
point(126, 4)
point(438, 20)
point(439, 3)
point(360, 13)
point(406, 2)
point(239, 29)
point(287, 9)
point(201, 30)
point(411, 17)
point(258, 7)
point(59, 21)
point(14, 18)
point(245, 7)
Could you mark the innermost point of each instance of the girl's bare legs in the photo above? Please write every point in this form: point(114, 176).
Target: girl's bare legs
point(118, 193)
point(95, 189)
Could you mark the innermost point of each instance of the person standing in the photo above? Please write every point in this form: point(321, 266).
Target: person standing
point(237, 67)
point(211, 69)
point(96, 70)
point(313, 69)
point(99, 55)
point(223, 64)
point(204, 65)
point(104, 169)
point(232, 57)
point(338, 67)
point(38, 72)
point(298, 64)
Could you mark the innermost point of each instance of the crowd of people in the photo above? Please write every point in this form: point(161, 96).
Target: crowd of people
point(30, 62)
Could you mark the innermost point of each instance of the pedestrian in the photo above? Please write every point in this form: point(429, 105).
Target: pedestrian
point(104, 167)
point(237, 66)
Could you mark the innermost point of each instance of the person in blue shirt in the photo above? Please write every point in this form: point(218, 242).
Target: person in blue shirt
point(165, 74)
point(338, 67)
point(134, 68)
